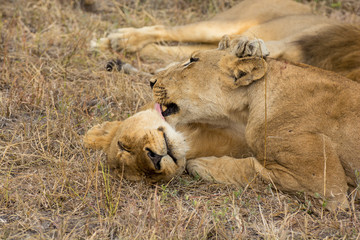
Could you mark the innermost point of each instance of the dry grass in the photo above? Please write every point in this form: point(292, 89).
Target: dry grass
point(52, 89)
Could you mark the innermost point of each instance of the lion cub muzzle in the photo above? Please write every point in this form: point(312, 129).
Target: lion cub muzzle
point(157, 158)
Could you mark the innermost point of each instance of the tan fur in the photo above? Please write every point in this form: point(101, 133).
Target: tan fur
point(344, 56)
point(302, 124)
point(289, 29)
point(206, 140)
point(128, 145)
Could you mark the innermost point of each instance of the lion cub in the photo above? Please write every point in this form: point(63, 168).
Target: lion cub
point(143, 146)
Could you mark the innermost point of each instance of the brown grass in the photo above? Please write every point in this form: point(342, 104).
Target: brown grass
point(52, 89)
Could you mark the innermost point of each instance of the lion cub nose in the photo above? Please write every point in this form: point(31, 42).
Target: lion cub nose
point(152, 83)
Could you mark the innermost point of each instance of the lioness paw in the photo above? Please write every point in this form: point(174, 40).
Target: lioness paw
point(242, 46)
point(198, 169)
point(130, 39)
point(133, 39)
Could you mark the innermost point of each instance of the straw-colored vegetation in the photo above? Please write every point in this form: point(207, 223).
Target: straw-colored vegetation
point(52, 89)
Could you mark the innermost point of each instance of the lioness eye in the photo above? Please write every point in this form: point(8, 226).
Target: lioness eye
point(194, 59)
point(123, 147)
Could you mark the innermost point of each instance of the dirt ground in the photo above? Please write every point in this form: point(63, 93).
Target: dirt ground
point(53, 88)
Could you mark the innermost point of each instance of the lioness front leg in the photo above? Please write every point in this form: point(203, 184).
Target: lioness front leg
point(134, 39)
point(243, 171)
point(228, 170)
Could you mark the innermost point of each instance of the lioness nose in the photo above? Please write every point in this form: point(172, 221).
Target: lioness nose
point(152, 83)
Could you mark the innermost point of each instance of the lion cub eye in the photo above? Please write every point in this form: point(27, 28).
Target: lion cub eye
point(123, 147)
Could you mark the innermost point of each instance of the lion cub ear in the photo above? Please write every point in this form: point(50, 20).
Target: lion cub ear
point(242, 71)
point(101, 135)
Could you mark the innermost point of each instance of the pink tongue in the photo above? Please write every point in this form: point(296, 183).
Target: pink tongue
point(158, 109)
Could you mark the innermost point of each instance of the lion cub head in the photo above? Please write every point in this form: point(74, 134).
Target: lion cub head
point(143, 146)
point(199, 89)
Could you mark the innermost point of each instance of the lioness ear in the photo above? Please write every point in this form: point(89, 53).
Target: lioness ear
point(100, 136)
point(242, 71)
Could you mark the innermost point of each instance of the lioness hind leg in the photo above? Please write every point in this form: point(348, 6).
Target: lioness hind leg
point(308, 163)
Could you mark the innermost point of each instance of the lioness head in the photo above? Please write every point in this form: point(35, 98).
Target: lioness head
point(143, 146)
point(207, 87)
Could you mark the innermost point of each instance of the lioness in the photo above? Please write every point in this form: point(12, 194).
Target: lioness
point(302, 124)
point(289, 29)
